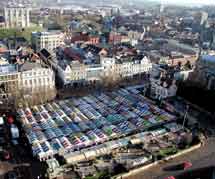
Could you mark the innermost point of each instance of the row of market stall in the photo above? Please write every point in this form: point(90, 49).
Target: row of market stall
point(141, 138)
point(66, 126)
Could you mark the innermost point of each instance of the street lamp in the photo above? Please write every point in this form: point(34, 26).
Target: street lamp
point(185, 115)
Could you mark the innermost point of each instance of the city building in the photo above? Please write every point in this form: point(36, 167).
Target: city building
point(9, 80)
point(34, 77)
point(162, 89)
point(27, 81)
point(170, 52)
point(84, 38)
point(125, 67)
point(48, 40)
point(204, 73)
point(17, 17)
point(76, 66)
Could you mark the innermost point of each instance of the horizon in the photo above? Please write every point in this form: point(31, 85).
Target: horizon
point(187, 2)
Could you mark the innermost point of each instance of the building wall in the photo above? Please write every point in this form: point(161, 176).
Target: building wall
point(49, 41)
point(204, 74)
point(94, 73)
point(175, 61)
point(78, 73)
point(93, 40)
point(9, 82)
point(38, 78)
point(16, 87)
point(17, 17)
point(107, 69)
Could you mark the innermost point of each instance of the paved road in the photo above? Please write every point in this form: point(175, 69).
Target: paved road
point(202, 157)
point(205, 156)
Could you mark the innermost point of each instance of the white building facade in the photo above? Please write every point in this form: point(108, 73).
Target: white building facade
point(19, 84)
point(17, 17)
point(37, 79)
point(127, 68)
point(77, 72)
point(47, 40)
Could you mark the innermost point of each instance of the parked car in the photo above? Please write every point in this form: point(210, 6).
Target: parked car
point(170, 177)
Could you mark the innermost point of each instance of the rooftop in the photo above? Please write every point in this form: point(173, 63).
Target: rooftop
point(53, 32)
point(209, 58)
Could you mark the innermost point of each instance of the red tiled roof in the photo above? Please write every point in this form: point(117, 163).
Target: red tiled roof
point(71, 54)
point(81, 37)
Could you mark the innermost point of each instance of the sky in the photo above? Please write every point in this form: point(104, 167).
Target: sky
point(196, 2)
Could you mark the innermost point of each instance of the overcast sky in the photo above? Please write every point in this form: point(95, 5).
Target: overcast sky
point(196, 2)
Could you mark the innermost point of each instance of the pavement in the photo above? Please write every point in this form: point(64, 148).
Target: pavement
point(202, 157)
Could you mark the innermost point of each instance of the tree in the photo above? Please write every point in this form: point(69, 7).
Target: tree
point(186, 140)
point(111, 79)
point(12, 32)
point(26, 97)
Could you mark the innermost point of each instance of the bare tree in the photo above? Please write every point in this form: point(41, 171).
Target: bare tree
point(112, 79)
point(26, 98)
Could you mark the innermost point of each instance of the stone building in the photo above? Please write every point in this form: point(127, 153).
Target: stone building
point(17, 17)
